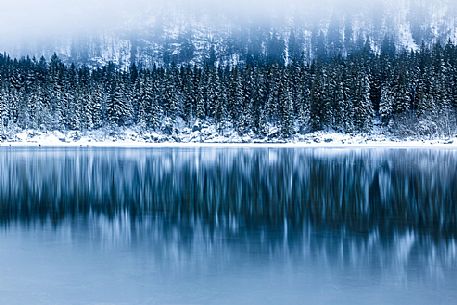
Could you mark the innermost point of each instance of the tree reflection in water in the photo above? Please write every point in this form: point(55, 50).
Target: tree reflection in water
point(376, 207)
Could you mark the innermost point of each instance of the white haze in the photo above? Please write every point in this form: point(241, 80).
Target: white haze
point(22, 20)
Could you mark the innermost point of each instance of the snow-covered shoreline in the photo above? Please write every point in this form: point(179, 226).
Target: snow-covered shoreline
point(130, 139)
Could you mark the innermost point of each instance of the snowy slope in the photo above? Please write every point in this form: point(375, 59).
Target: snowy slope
point(154, 37)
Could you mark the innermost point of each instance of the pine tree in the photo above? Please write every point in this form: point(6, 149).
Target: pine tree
point(3, 108)
point(402, 99)
point(220, 113)
point(170, 97)
point(201, 97)
point(386, 105)
point(286, 112)
point(347, 110)
point(150, 103)
point(362, 104)
point(118, 109)
point(96, 109)
point(272, 96)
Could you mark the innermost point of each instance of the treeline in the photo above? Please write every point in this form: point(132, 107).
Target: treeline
point(409, 93)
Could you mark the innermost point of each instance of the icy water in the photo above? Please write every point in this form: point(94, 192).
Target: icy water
point(228, 226)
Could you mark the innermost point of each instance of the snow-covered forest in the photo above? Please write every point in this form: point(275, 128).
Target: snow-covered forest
point(405, 93)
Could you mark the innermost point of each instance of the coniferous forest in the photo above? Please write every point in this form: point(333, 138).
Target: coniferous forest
point(409, 93)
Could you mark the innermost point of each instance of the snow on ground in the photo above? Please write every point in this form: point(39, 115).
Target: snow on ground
point(210, 137)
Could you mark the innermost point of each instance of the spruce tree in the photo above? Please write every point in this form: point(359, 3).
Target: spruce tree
point(386, 105)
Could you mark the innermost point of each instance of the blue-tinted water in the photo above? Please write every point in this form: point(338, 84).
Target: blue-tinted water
point(228, 226)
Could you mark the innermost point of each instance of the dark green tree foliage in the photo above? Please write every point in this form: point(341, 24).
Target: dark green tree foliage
point(4, 107)
point(386, 104)
point(118, 105)
point(274, 93)
point(362, 104)
point(286, 106)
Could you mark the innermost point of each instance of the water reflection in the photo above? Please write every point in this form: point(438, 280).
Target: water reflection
point(402, 253)
point(362, 190)
point(313, 217)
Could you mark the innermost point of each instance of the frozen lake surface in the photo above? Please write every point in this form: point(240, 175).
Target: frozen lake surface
point(228, 226)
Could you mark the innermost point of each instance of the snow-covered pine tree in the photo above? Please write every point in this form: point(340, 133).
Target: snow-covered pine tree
point(333, 111)
point(4, 120)
point(171, 96)
point(386, 105)
point(272, 98)
point(117, 108)
point(319, 100)
point(201, 96)
point(13, 103)
point(246, 115)
point(347, 110)
point(70, 108)
point(402, 100)
point(236, 97)
point(188, 93)
point(286, 106)
point(220, 113)
point(363, 105)
point(212, 103)
point(97, 104)
point(150, 102)
point(260, 92)
point(138, 107)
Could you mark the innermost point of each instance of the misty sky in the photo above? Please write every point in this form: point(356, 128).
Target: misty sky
point(23, 19)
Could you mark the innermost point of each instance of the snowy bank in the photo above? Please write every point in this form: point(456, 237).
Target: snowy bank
point(132, 138)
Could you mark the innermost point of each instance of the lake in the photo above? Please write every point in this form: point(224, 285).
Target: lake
point(228, 226)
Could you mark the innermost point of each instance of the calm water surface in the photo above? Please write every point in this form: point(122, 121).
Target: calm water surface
point(228, 226)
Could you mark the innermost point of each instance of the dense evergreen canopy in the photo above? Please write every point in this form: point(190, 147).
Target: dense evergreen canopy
point(408, 92)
